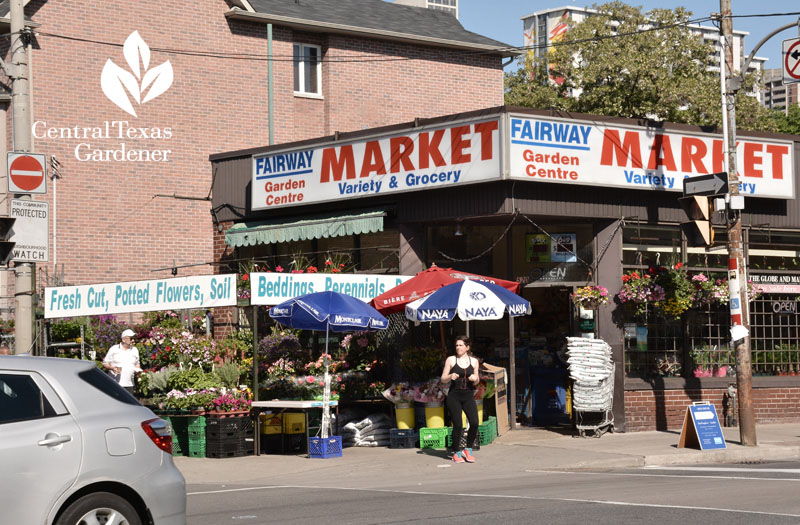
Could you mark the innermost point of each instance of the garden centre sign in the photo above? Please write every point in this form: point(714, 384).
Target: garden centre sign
point(575, 152)
point(432, 158)
point(274, 288)
point(203, 291)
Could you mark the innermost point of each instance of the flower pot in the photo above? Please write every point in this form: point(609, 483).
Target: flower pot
point(722, 371)
point(404, 414)
point(434, 415)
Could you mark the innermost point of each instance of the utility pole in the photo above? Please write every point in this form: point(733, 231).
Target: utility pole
point(20, 107)
point(737, 281)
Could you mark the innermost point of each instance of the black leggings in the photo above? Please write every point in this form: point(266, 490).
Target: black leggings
point(458, 400)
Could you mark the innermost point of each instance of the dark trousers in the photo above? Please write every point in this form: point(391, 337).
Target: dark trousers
point(129, 389)
point(458, 401)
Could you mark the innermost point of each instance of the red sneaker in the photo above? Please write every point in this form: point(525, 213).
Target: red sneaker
point(468, 457)
point(457, 458)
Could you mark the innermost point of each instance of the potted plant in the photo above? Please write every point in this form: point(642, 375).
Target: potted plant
point(590, 297)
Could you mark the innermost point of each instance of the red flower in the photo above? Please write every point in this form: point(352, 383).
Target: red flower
point(336, 270)
point(312, 269)
point(341, 265)
point(245, 277)
point(278, 268)
point(328, 263)
point(635, 275)
point(678, 266)
point(297, 271)
point(626, 278)
point(651, 270)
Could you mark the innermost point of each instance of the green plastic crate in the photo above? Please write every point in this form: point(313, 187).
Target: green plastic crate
point(433, 437)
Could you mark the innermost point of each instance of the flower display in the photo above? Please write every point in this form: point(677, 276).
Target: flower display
point(639, 289)
point(590, 297)
point(230, 401)
point(430, 392)
point(399, 393)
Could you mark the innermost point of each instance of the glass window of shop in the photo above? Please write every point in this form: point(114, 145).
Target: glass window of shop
point(773, 250)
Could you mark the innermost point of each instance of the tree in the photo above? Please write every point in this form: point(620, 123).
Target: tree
point(622, 62)
point(788, 123)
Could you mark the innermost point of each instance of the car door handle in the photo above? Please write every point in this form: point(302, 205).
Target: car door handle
point(54, 439)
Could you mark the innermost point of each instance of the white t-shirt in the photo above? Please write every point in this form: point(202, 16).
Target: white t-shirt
point(126, 360)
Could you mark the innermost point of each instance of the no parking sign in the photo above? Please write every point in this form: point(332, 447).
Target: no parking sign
point(27, 173)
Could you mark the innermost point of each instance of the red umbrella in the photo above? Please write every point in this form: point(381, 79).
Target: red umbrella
point(426, 282)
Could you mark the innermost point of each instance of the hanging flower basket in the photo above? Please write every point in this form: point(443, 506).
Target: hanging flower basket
point(590, 297)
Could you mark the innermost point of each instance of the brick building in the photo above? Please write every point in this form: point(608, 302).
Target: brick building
point(133, 195)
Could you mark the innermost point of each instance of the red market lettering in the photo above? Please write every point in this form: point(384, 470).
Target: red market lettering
point(550, 173)
point(691, 154)
point(408, 154)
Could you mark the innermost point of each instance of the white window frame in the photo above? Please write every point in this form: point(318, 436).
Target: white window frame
point(301, 70)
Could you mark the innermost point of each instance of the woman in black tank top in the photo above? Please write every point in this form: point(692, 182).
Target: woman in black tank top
point(461, 371)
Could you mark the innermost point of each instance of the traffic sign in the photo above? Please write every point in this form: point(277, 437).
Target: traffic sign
point(711, 184)
point(791, 61)
point(27, 173)
point(31, 230)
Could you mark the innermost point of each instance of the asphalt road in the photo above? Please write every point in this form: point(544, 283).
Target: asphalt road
point(762, 493)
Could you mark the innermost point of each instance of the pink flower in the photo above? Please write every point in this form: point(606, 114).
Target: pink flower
point(278, 268)
point(310, 379)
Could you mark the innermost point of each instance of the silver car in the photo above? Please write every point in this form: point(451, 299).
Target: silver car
point(76, 448)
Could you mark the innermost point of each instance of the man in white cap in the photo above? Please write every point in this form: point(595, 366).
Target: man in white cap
point(123, 361)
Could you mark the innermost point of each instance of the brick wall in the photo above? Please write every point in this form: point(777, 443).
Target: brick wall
point(666, 409)
point(120, 221)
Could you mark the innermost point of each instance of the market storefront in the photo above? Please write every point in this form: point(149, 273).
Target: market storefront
point(555, 202)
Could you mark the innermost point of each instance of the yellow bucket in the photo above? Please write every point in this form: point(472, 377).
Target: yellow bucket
point(404, 413)
point(434, 415)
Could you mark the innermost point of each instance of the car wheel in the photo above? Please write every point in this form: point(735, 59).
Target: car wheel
point(100, 508)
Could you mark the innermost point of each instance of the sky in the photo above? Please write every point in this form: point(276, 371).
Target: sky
point(501, 19)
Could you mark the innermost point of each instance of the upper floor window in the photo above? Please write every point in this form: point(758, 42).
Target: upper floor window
point(307, 69)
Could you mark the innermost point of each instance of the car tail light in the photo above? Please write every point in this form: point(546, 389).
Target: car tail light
point(159, 432)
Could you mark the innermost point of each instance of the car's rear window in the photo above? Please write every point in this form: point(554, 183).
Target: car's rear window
point(108, 386)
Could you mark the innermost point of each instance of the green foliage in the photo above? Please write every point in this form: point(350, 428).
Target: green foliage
point(616, 69)
point(193, 378)
point(68, 330)
point(229, 374)
point(787, 122)
point(422, 364)
point(151, 382)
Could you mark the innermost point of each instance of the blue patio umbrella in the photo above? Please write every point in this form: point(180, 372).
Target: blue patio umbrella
point(330, 312)
point(470, 300)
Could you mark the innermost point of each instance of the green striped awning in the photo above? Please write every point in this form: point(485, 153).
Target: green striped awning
point(317, 227)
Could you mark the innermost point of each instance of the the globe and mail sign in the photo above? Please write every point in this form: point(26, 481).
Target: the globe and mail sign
point(27, 173)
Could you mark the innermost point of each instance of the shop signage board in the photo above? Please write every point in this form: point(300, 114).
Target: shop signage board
point(427, 159)
point(701, 428)
point(178, 293)
point(31, 230)
point(776, 283)
point(588, 153)
point(274, 288)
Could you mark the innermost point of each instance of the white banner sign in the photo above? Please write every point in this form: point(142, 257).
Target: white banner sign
point(274, 288)
point(581, 153)
point(434, 158)
point(31, 231)
point(202, 291)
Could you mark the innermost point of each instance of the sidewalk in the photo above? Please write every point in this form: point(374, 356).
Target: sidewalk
point(525, 449)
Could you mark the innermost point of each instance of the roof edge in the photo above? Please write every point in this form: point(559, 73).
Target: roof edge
point(312, 25)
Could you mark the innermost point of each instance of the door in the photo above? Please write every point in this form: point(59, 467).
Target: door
point(40, 447)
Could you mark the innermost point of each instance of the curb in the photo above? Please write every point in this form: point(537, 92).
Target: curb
point(739, 454)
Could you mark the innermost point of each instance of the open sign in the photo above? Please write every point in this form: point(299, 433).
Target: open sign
point(784, 307)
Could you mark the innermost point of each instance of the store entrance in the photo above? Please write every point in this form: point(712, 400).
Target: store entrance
point(541, 360)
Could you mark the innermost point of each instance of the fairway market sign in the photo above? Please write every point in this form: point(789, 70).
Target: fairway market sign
point(432, 158)
point(578, 153)
point(274, 288)
point(205, 291)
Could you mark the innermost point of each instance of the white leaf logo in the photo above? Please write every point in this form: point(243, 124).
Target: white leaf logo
point(120, 85)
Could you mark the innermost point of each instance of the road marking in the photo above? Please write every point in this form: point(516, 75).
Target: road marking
point(727, 469)
point(634, 474)
point(503, 496)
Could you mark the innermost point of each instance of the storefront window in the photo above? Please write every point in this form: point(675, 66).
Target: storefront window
point(645, 245)
point(773, 250)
